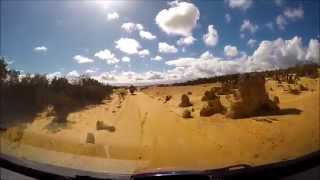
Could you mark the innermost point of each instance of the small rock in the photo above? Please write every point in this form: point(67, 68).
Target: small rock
point(186, 114)
point(185, 101)
point(100, 125)
point(90, 138)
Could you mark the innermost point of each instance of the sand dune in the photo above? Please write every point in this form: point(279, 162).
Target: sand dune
point(150, 134)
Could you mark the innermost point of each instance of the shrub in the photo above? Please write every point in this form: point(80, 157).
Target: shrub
point(31, 94)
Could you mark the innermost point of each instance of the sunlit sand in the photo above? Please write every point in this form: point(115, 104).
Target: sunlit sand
point(150, 133)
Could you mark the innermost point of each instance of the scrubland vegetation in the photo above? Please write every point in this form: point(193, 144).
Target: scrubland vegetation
point(30, 94)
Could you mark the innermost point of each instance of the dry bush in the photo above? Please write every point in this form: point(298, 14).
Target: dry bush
point(189, 93)
point(186, 114)
point(185, 101)
point(253, 98)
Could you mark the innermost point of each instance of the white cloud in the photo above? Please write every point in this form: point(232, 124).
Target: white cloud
point(206, 55)
point(230, 51)
point(228, 18)
point(40, 49)
point(147, 35)
point(144, 53)
point(107, 55)
point(157, 58)
point(90, 71)
point(53, 75)
point(130, 27)
point(166, 48)
point(269, 55)
point(188, 40)
point(112, 16)
point(252, 43)
point(212, 37)
point(82, 59)
point(73, 74)
point(179, 19)
point(126, 59)
point(240, 4)
point(269, 25)
point(248, 26)
point(281, 22)
point(279, 2)
point(294, 13)
point(313, 51)
point(128, 45)
point(291, 14)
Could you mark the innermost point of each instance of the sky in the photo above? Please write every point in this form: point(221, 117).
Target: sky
point(143, 41)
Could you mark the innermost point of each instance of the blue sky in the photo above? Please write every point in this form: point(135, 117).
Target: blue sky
point(65, 37)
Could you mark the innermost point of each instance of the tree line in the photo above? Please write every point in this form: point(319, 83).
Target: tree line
point(29, 94)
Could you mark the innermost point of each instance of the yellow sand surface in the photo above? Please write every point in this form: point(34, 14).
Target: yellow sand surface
point(151, 135)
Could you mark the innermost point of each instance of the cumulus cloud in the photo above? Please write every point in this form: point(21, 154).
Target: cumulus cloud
point(73, 74)
point(166, 48)
point(130, 27)
point(252, 43)
point(144, 53)
point(228, 18)
point(40, 49)
point(112, 16)
point(269, 55)
point(279, 2)
point(281, 22)
point(248, 26)
point(82, 59)
point(126, 59)
point(230, 51)
point(186, 41)
point(107, 55)
point(128, 45)
point(53, 75)
point(313, 51)
point(147, 35)
point(157, 58)
point(206, 55)
point(294, 13)
point(289, 14)
point(240, 4)
point(179, 19)
point(90, 71)
point(212, 37)
point(269, 25)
